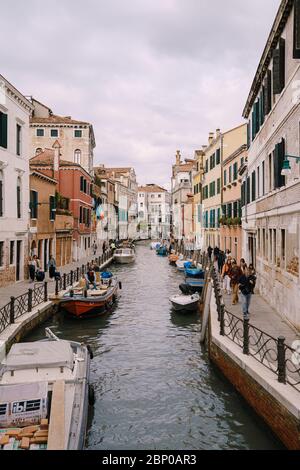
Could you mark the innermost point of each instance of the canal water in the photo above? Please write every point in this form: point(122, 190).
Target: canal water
point(155, 386)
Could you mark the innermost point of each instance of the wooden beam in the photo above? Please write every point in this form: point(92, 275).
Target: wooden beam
point(56, 436)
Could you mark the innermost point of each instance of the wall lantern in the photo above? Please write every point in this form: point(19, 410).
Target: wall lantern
point(286, 169)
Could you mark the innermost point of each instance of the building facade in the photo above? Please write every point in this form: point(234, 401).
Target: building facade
point(76, 137)
point(42, 217)
point(15, 111)
point(181, 188)
point(197, 184)
point(271, 187)
point(154, 207)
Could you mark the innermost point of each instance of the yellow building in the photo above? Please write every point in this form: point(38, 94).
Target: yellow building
point(221, 148)
point(197, 189)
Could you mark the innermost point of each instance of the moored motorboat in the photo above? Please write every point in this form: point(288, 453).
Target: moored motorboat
point(81, 302)
point(44, 395)
point(195, 284)
point(162, 251)
point(124, 255)
point(155, 245)
point(173, 259)
point(185, 303)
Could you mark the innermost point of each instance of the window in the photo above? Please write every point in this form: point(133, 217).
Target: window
point(219, 186)
point(81, 183)
point(78, 133)
point(225, 177)
point(259, 242)
point(3, 130)
point(11, 252)
point(263, 179)
point(1, 254)
point(33, 204)
point(52, 210)
point(40, 132)
point(159, 196)
point(19, 211)
point(80, 215)
point(235, 209)
point(248, 198)
point(1, 195)
point(206, 166)
point(264, 242)
point(84, 186)
point(253, 187)
point(279, 156)
point(54, 132)
point(279, 68)
point(77, 156)
point(38, 150)
point(235, 171)
point(218, 156)
point(230, 174)
point(18, 139)
point(258, 181)
point(296, 51)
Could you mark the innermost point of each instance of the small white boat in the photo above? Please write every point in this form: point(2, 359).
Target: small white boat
point(188, 303)
point(124, 255)
point(44, 395)
point(155, 245)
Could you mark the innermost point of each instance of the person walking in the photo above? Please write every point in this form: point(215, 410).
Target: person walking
point(52, 267)
point(243, 265)
point(95, 248)
point(32, 268)
point(221, 261)
point(225, 276)
point(209, 252)
point(246, 286)
point(235, 274)
point(252, 277)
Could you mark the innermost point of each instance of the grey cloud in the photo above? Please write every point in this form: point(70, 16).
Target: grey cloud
point(151, 75)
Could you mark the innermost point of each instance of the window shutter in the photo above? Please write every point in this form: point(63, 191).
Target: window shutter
point(281, 157)
point(257, 116)
point(81, 183)
point(18, 202)
point(224, 210)
point(3, 130)
point(243, 194)
point(279, 68)
point(218, 156)
point(253, 196)
point(248, 190)
point(253, 122)
point(248, 135)
point(296, 53)
point(262, 101)
point(1, 198)
point(276, 167)
point(268, 93)
point(219, 216)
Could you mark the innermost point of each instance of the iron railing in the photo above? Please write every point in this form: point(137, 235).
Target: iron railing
point(24, 303)
point(273, 353)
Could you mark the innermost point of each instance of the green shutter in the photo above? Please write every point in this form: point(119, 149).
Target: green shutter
point(248, 134)
point(296, 48)
point(257, 116)
point(253, 122)
point(1, 198)
point(3, 130)
point(253, 196)
point(279, 68)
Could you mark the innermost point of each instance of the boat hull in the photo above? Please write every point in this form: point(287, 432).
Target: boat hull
point(81, 307)
point(122, 259)
point(185, 308)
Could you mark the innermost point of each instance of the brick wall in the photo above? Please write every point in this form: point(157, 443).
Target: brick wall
point(277, 417)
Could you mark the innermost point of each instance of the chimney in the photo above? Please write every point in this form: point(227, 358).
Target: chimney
point(204, 147)
point(178, 157)
point(218, 132)
point(210, 137)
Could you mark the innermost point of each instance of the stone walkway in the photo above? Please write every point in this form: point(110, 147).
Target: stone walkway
point(264, 317)
point(21, 287)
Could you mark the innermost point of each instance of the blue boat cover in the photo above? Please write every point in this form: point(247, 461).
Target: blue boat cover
point(106, 275)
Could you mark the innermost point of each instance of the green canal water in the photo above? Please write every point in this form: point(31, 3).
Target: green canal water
point(155, 386)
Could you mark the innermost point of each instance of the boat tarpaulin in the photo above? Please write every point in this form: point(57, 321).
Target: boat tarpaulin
point(40, 354)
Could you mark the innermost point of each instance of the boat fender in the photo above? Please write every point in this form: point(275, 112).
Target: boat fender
point(120, 285)
point(88, 347)
point(91, 395)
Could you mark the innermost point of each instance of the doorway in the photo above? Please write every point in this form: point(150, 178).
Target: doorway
point(45, 254)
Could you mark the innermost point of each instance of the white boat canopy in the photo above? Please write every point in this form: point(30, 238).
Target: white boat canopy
point(39, 354)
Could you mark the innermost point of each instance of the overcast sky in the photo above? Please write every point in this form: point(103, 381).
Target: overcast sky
point(152, 76)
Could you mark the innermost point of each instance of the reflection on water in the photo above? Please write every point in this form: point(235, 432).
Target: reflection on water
point(155, 386)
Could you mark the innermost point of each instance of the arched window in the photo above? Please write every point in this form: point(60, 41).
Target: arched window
point(38, 150)
point(19, 209)
point(77, 156)
point(1, 194)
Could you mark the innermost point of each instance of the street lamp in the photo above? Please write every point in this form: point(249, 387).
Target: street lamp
point(286, 169)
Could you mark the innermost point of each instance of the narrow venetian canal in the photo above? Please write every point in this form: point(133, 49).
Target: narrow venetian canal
point(155, 387)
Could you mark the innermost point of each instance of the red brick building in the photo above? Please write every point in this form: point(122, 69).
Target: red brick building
point(74, 185)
